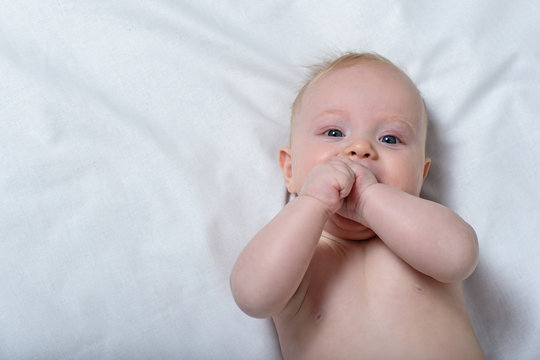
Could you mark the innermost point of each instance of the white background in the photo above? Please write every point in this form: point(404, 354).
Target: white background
point(138, 155)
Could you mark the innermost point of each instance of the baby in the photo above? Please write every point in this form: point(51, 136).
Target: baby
point(357, 265)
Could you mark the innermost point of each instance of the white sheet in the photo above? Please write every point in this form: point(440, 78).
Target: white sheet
point(138, 155)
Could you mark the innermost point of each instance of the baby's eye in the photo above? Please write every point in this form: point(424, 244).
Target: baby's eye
point(389, 139)
point(334, 133)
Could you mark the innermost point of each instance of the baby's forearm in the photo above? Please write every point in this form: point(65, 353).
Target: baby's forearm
point(428, 236)
point(271, 267)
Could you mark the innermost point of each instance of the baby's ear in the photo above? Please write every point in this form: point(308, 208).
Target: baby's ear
point(286, 167)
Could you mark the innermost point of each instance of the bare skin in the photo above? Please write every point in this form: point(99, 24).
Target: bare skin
point(357, 265)
point(359, 300)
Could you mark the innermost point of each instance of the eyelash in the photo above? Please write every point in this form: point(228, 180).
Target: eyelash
point(328, 132)
point(334, 131)
point(390, 136)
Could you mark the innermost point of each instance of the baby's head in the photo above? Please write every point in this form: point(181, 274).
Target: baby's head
point(347, 60)
point(364, 107)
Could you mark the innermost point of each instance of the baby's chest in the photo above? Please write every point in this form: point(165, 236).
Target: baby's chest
point(359, 303)
point(374, 279)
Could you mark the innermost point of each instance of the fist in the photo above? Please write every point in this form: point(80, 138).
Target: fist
point(351, 206)
point(339, 183)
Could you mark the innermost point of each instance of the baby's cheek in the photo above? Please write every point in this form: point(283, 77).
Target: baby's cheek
point(301, 171)
point(415, 185)
point(397, 182)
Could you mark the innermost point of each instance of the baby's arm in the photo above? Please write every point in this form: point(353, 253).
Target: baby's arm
point(272, 265)
point(428, 236)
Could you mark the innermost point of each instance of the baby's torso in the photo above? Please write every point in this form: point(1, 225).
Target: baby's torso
point(360, 301)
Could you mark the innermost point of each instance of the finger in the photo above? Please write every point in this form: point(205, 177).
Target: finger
point(345, 176)
point(354, 167)
point(361, 172)
point(347, 183)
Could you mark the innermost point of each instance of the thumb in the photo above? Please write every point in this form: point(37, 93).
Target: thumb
point(348, 186)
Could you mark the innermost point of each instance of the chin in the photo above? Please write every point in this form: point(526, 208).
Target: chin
point(348, 229)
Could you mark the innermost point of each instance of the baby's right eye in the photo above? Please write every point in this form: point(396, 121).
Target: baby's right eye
point(334, 133)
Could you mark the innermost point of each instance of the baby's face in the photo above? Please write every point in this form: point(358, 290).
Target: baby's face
point(371, 113)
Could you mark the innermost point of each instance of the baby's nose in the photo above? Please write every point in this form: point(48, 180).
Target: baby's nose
point(361, 150)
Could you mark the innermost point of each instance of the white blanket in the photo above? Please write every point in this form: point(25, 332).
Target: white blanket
point(138, 155)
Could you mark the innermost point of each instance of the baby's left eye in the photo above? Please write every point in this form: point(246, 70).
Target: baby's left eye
point(334, 133)
point(389, 139)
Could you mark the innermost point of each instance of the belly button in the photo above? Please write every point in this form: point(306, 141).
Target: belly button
point(318, 318)
point(418, 289)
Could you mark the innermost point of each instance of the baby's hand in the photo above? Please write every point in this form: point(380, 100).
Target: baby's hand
point(329, 182)
point(352, 204)
point(338, 183)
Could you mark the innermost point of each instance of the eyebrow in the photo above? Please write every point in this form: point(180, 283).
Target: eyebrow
point(330, 112)
point(386, 118)
point(398, 120)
